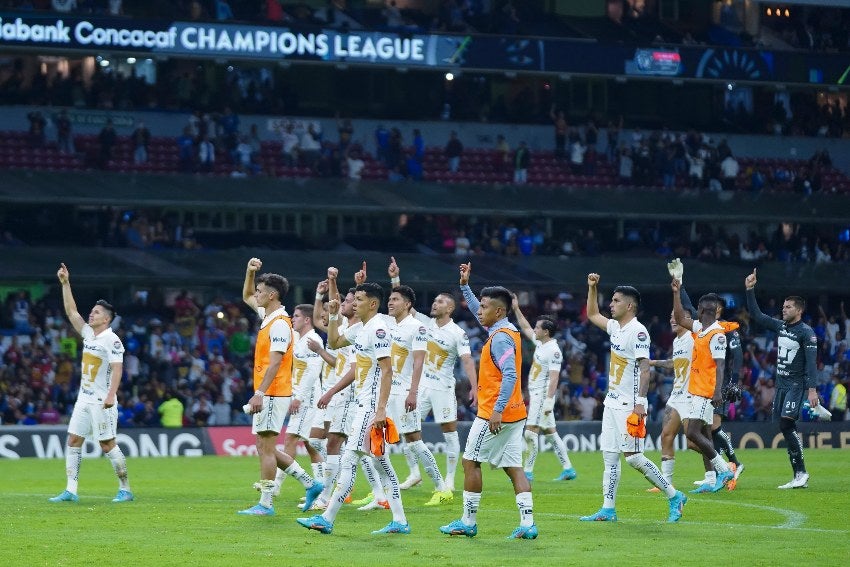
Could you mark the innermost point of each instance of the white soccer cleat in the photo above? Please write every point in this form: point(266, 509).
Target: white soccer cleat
point(410, 482)
point(375, 505)
point(800, 480)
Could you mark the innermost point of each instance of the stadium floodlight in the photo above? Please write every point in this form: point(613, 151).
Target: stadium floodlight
point(450, 77)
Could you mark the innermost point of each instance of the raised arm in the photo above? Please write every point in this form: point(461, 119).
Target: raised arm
point(524, 326)
point(335, 339)
point(471, 301)
point(248, 286)
point(394, 272)
point(683, 319)
point(593, 314)
point(753, 306)
point(321, 290)
point(74, 316)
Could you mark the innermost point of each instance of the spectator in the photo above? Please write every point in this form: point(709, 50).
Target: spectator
point(577, 151)
point(37, 127)
point(503, 154)
point(355, 164)
point(559, 121)
point(171, 411)
point(626, 166)
point(186, 150)
point(140, 139)
point(310, 146)
point(453, 152)
point(838, 397)
point(729, 169)
point(382, 143)
point(418, 146)
point(206, 155)
point(64, 141)
point(64, 6)
point(392, 15)
point(413, 166)
point(115, 8)
point(221, 412)
point(223, 11)
point(522, 159)
point(289, 145)
point(106, 139)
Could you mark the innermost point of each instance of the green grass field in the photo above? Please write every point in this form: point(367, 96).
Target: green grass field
point(185, 514)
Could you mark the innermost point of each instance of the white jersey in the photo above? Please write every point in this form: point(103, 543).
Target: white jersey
point(683, 352)
point(445, 345)
point(547, 357)
point(99, 352)
point(408, 336)
point(629, 344)
point(306, 368)
point(371, 342)
point(343, 361)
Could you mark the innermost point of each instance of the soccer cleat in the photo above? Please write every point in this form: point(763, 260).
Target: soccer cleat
point(393, 528)
point(800, 480)
point(459, 528)
point(677, 504)
point(567, 474)
point(66, 496)
point(257, 510)
point(347, 499)
point(363, 501)
point(524, 532)
point(738, 470)
point(410, 482)
point(440, 497)
point(733, 482)
point(723, 479)
point(529, 476)
point(317, 522)
point(703, 488)
point(375, 505)
point(603, 515)
point(654, 490)
point(319, 505)
point(123, 496)
point(311, 494)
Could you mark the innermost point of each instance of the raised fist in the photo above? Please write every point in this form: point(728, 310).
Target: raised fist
point(254, 264)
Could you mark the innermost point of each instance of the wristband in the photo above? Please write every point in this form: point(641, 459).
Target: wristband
point(395, 281)
point(259, 393)
point(319, 296)
point(641, 402)
point(333, 317)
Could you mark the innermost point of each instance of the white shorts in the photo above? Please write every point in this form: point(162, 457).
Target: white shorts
point(272, 416)
point(358, 434)
point(615, 437)
point(681, 402)
point(535, 410)
point(443, 403)
point(502, 450)
point(301, 422)
point(701, 409)
point(320, 418)
point(340, 413)
point(405, 421)
point(93, 421)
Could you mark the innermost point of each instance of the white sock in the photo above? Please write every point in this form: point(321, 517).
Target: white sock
point(394, 497)
point(452, 453)
point(652, 473)
point(266, 490)
point(344, 484)
point(471, 500)
point(320, 445)
point(560, 449)
point(421, 452)
point(318, 470)
point(610, 478)
point(719, 464)
point(530, 438)
point(412, 461)
point(525, 505)
point(711, 477)
point(295, 471)
point(279, 477)
point(374, 478)
point(73, 458)
point(667, 469)
point(119, 465)
point(331, 473)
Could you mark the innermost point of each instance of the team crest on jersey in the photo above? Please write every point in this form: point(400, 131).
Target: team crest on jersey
point(641, 336)
point(116, 345)
point(721, 339)
point(380, 333)
point(557, 355)
point(422, 330)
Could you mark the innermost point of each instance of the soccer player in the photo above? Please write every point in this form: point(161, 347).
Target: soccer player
point(496, 433)
point(542, 385)
point(679, 403)
point(731, 375)
point(273, 362)
point(96, 411)
point(306, 384)
point(707, 366)
point(373, 381)
point(628, 382)
point(446, 343)
point(796, 372)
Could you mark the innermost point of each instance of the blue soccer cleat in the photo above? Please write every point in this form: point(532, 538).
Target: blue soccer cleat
point(677, 504)
point(723, 479)
point(524, 532)
point(703, 488)
point(567, 474)
point(459, 528)
point(393, 528)
point(603, 515)
point(318, 523)
point(65, 497)
point(258, 510)
point(123, 496)
point(311, 494)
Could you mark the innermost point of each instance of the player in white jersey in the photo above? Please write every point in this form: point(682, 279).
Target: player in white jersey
point(373, 381)
point(679, 402)
point(446, 344)
point(409, 342)
point(306, 385)
point(628, 382)
point(95, 413)
point(542, 385)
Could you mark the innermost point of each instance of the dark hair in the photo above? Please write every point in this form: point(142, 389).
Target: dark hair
point(500, 294)
point(629, 291)
point(351, 290)
point(108, 307)
point(406, 292)
point(798, 301)
point(450, 297)
point(709, 298)
point(276, 282)
point(373, 290)
point(548, 325)
point(306, 309)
